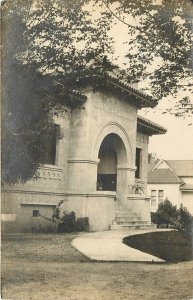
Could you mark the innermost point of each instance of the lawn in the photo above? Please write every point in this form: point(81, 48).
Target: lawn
point(171, 246)
point(39, 267)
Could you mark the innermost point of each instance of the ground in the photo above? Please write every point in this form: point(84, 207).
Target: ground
point(47, 267)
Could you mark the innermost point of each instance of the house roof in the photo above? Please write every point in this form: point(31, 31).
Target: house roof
point(181, 167)
point(149, 127)
point(186, 187)
point(176, 169)
point(163, 176)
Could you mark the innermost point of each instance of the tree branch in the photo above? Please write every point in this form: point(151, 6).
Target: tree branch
point(129, 25)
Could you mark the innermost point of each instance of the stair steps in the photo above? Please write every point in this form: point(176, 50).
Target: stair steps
point(126, 219)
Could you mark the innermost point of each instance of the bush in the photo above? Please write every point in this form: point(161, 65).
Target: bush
point(184, 221)
point(82, 224)
point(66, 222)
point(167, 214)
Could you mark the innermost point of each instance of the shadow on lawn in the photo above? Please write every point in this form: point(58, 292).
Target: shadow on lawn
point(172, 246)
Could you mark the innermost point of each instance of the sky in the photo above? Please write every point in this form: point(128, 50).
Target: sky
point(177, 143)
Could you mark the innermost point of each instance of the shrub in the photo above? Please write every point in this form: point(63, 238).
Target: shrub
point(166, 214)
point(67, 223)
point(82, 224)
point(184, 221)
point(156, 218)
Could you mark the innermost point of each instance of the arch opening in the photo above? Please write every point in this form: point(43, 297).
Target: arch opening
point(112, 153)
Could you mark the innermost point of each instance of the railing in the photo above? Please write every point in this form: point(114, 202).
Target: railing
point(50, 172)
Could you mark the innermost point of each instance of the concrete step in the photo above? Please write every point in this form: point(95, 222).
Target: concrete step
point(120, 221)
point(127, 220)
point(131, 226)
point(120, 215)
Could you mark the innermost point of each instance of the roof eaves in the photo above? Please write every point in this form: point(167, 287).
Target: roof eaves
point(144, 99)
point(152, 127)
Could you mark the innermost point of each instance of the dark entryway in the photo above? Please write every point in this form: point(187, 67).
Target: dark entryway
point(107, 168)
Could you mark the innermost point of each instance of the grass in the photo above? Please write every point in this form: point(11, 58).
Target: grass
point(171, 246)
point(38, 267)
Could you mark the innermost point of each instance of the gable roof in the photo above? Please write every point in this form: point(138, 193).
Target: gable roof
point(186, 187)
point(181, 167)
point(163, 176)
point(176, 169)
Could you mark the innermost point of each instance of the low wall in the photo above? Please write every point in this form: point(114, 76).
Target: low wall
point(141, 205)
point(98, 207)
point(18, 210)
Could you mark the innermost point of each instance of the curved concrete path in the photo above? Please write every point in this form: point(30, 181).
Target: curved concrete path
point(108, 246)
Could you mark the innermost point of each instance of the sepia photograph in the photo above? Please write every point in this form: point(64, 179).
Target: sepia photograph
point(96, 149)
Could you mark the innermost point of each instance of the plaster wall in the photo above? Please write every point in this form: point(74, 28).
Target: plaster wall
point(98, 207)
point(187, 200)
point(20, 204)
point(101, 115)
point(171, 191)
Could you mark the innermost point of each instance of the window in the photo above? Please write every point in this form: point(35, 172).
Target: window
point(153, 198)
point(138, 163)
point(50, 144)
point(35, 213)
point(160, 196)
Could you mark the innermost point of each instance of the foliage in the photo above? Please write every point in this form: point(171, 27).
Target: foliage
point(162, 35)
point(153, 158)
point(138, 189)
point(82, 224)
point(184, 221)
point(67, 222)
point(168, 214)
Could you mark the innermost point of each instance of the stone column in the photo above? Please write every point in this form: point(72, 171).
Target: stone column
point(82, 175)
point(125, 181)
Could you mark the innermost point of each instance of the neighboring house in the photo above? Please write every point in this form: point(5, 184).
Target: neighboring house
point(172, 180)
point(96, 160)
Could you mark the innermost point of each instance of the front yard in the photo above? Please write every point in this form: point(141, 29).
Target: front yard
point(47, 267)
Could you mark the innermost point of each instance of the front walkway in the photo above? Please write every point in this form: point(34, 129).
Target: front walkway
point(108, 246)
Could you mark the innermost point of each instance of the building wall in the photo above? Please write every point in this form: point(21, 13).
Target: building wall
point(75, 174)
point(171, 191)
point(187, 200)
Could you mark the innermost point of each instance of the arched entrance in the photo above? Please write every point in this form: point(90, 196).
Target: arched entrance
point(113, 157)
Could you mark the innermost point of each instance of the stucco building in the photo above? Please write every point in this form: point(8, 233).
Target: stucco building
point(172, 180)
point(97, 162)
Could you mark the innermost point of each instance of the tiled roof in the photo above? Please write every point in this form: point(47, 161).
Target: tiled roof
point(186, 187)
point(150, 127)
point(117, 78)
point(163, 176)
point(181, 167)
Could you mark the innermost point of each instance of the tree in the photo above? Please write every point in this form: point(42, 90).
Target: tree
point(162, 38)
point(153, 158)
point(53, 47)
point(166, 214)
point(38, 76)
